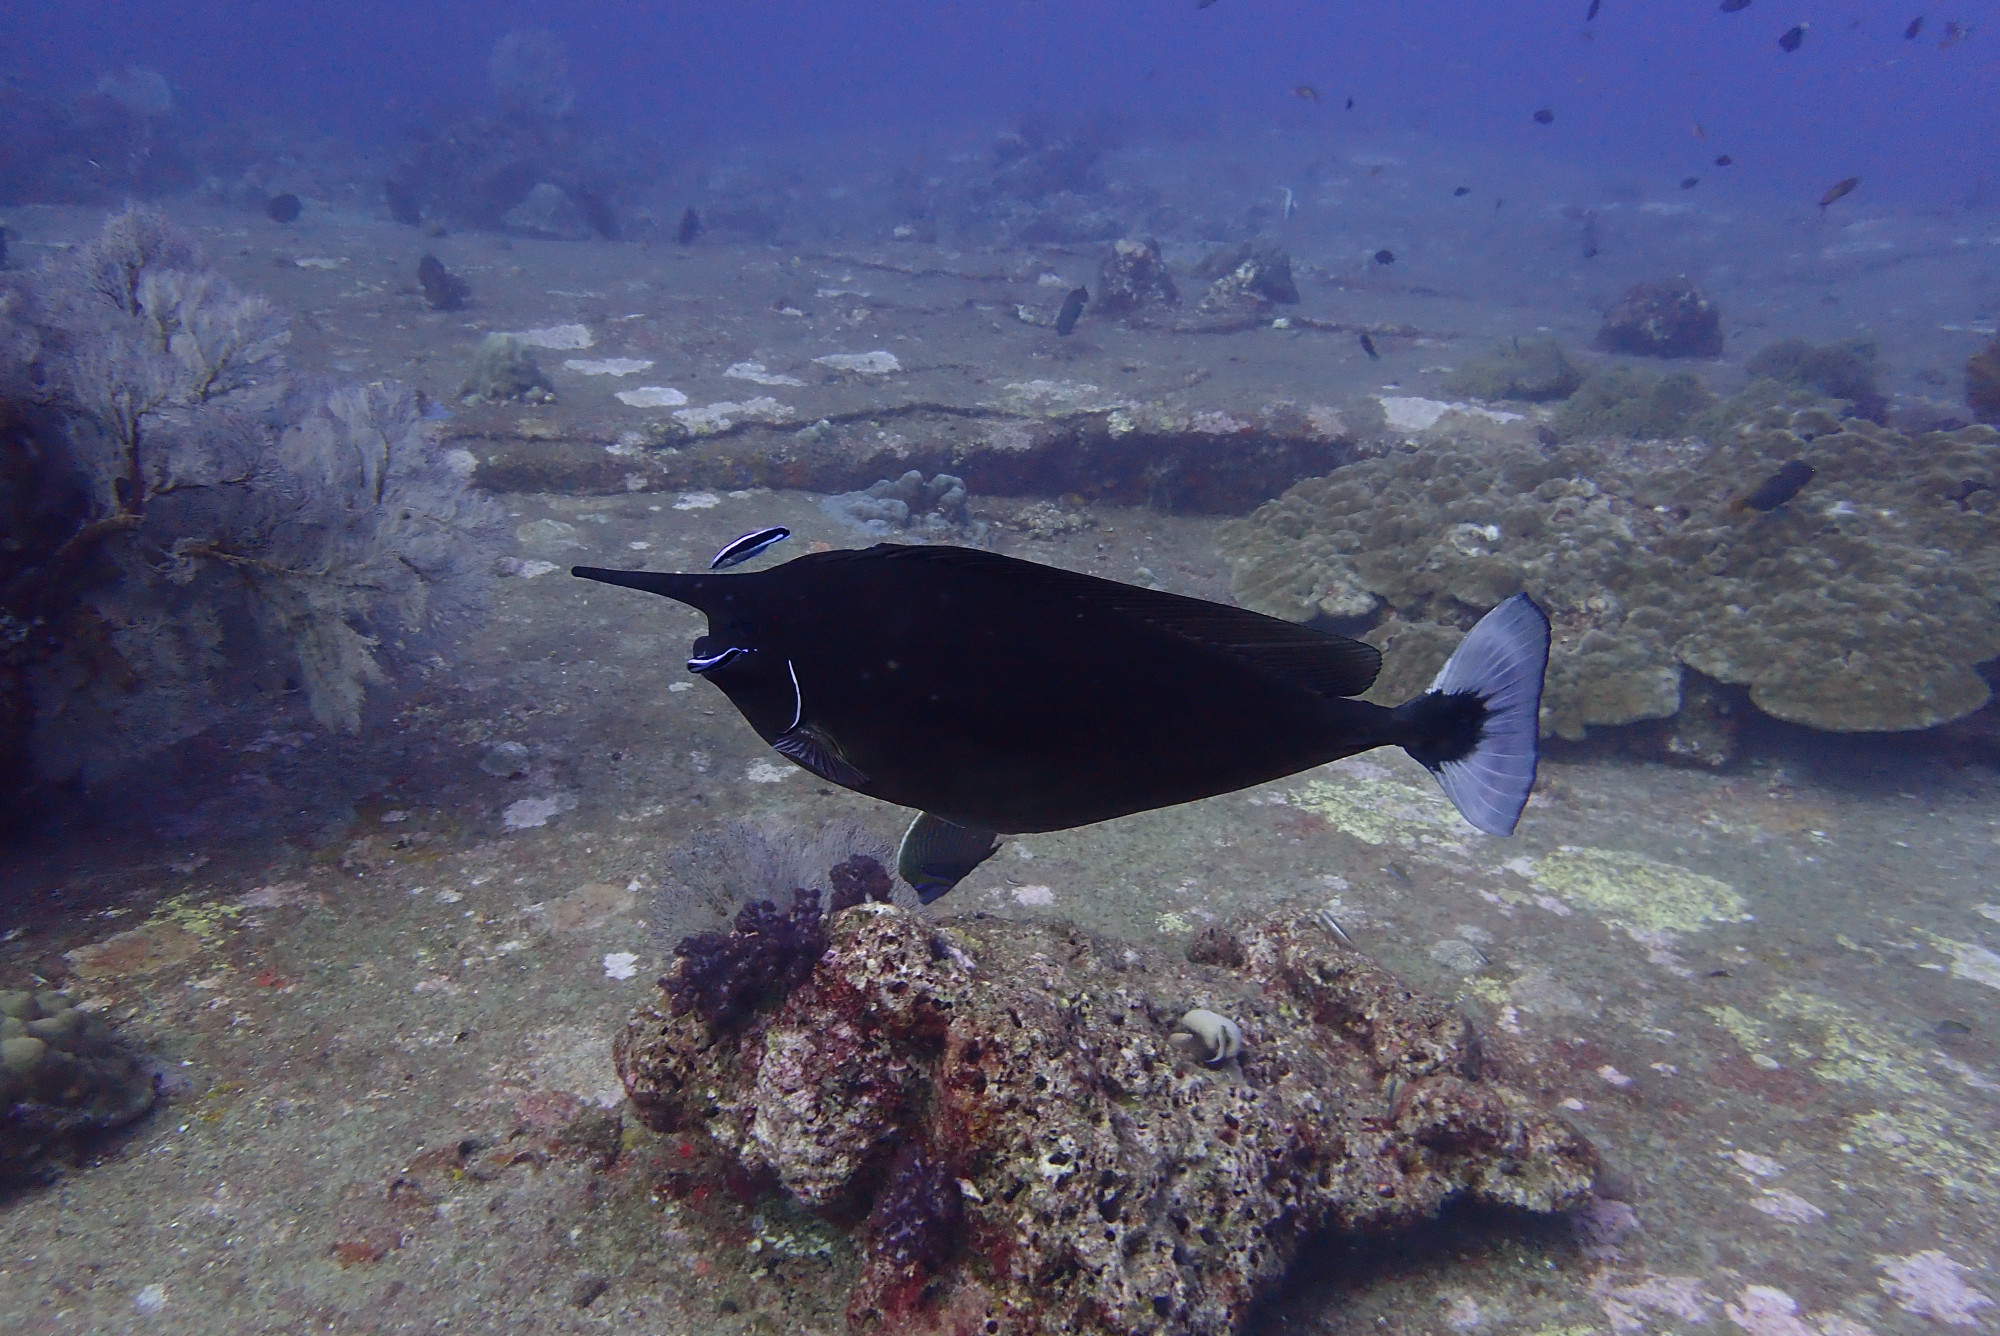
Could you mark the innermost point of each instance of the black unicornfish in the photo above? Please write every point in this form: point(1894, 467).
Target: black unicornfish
point(1072, 310)
point(999, 696)
point(1780, 487)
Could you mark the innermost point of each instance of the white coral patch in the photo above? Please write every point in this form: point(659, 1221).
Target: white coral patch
point(1789, 1207)
point(763, 772)
point(1409, 413)
point(1034, 895)
point(877, 363)
point(1973, 962)
point(531, 812)
point(724, 415)
point(610, 366)
point(697, 501)
point(758, 374)
point(652, 396)
point(558, 337)
point(1928, 1284)
point(620, 964)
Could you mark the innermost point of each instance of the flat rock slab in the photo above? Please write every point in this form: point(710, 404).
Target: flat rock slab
point(1003, 1106)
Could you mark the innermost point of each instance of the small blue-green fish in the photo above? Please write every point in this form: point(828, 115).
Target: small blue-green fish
point(749, 545)
point(1794, 37)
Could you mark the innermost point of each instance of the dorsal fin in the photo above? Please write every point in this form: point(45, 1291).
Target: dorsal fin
point(1327, 664)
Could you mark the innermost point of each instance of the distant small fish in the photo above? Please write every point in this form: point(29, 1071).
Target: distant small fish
point(1954, 33)
point(1376, 170)
point(1777, 489)
point(1699, 133)
point(689, 229)
point(1498, 201)
point(282, 208)
point(1305, 92)
point(1916, 26)
point(1350, 104)
point(1794, 37)
point(1368, 346)
point(1734, 6)
point(748, 546)
point(1836, 190)
point(1545, 117)
point(1724, 160)
point(1072, 307)
point(1690, 182)
point(1591, 13)
point(1203, 4)
point(1385, 257)
point(1461, 192)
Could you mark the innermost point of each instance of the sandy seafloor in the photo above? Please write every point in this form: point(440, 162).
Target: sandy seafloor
point(376, 971)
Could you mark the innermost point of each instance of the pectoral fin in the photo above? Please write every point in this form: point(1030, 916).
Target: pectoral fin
point(820, 754)
point(938, 854)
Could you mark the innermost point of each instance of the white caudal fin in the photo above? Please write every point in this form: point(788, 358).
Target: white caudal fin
point(1486, 705)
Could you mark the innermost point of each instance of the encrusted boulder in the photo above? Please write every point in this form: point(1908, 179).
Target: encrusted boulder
point(1671, 319)
point(997, 1109)
point(1249, 277)
point(1862, 603)
point(1133, 277)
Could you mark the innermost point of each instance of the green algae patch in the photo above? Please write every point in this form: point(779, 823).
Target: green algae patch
point(204, 920)
point(1921, 1132)
point(1638, 893)
point(1748, 1034)
point(1382, 810)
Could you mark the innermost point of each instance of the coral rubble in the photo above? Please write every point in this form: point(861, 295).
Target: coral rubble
point(1863, 604)
point(63, 1080)
point(907, 504)
point(1002, 1105)
point(1671, 319)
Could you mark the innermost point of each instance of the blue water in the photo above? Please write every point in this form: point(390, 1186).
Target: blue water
point(1915, 121)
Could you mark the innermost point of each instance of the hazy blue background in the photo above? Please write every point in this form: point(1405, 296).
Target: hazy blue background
point(1921, 124)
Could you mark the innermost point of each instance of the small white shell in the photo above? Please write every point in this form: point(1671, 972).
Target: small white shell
point(1208, 1037)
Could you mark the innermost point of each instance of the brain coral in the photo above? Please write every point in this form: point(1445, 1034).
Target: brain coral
point(1862, 604)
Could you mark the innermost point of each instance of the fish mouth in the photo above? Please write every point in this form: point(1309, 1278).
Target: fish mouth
point(701, 663)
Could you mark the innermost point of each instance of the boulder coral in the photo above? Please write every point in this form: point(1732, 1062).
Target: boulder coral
point(997, 1111)
point(1862, 604)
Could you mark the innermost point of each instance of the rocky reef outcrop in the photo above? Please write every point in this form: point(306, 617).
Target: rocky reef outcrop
point(998, 1112)
point(1982, 383)
point(1861, 603)
point(1249, 277)
point(1671, 319)
point(1133, 277)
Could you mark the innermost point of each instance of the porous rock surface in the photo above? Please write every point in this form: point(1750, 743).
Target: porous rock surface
point(1862, 604)
point(1000, 1104)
